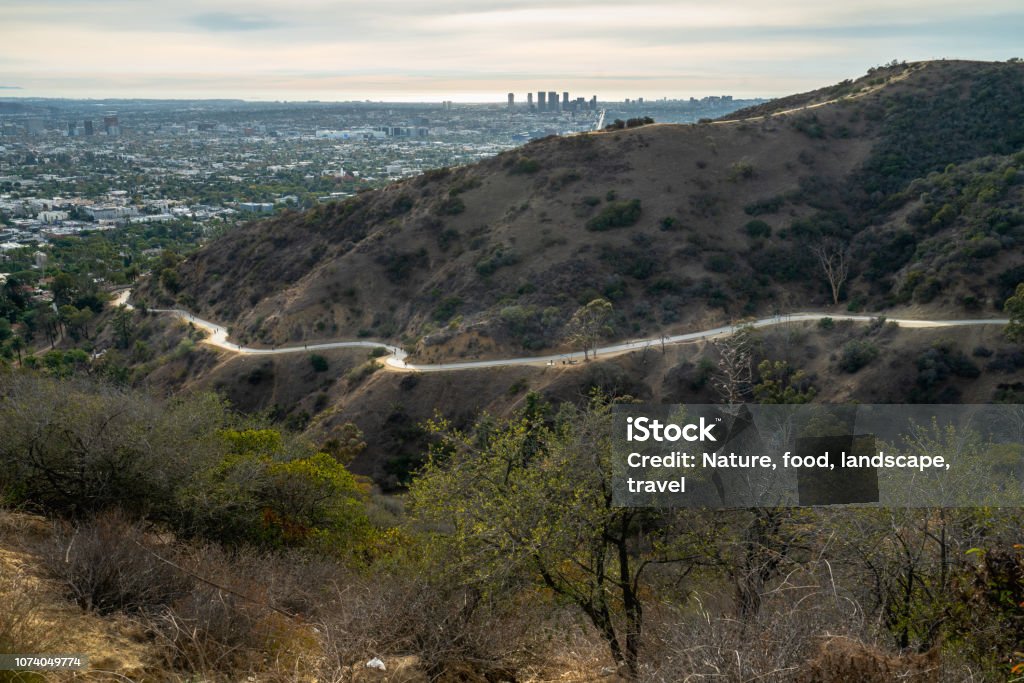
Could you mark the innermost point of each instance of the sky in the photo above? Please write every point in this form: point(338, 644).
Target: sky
point(479, 50)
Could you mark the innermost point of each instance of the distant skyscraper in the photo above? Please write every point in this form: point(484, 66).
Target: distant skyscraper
point(552, 100)
point(71, 129)
point(511, 100)
point(87, 124)
point(565, 101)
point(529, 100)
point(593, 103)
point(111, 124)
point(542, 100)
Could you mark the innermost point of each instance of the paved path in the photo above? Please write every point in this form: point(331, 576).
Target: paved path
point(396, 358)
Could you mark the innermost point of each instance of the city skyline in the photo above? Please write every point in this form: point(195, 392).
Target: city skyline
point(405, 50)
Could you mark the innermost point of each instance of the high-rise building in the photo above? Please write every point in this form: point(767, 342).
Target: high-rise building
point(529, 100)
point(111, 124)
point(593, 103)
point(565, 101)
point(71, 129)
point(511, 100)
point(87, 125)
point(552, 100)
point(542, 100)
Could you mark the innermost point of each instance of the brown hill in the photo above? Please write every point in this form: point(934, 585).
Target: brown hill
point(678, 225)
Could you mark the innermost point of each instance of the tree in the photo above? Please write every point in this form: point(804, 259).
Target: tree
point(1014, 308)
point(17, 345)
point(530, 501)
point(735, 365)
point(834, 258)
point(589, 323)
point(782, 384)
point(124, 325)
point(344, 443)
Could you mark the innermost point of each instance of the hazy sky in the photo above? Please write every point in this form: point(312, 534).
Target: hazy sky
point(477, 50)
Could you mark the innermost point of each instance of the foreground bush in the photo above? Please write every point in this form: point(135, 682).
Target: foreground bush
point(75, 448)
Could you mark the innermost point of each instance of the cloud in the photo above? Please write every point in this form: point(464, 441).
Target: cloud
point(226, 21)
point(10, 87)
point(330, 49)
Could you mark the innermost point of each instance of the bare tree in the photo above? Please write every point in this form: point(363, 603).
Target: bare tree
point(834, 258)
point(735, 366)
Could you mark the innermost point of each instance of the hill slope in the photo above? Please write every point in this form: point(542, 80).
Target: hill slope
point(915, 170)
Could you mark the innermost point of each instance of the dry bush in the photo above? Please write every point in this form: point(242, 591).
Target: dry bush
point(108, 563)
point(845, 659)
point(234, 623)
point(456, 632)
point(21, 603)
point(694, 643)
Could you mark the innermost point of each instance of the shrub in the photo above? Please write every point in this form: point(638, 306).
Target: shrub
point(446, 308)
point(524, 165)
point(359, 373)
point(318, 362)
point(758, 229)
point(452, 206)
point(763, 206)
point(826, 323)
point(499, 258)
point(856, 354)
point(446, 238)
point(718, 262)
point(106, 564)
point(21, 629)
point(398, 265)
point(402, 204)
point(619, 214)
point(563, 179)
point(741, 170)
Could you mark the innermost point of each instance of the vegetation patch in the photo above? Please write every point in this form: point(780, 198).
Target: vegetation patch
point(618, 214)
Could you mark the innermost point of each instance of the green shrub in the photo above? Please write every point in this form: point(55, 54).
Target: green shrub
point(741, 170)
point(446, 308)
point(452, 206)
point(856, 354)
point(524, 165)
point(499, 258)
point(619, 214)
point(758, 229)
point(763, 206)
point(318, 362)
point(718, 262)
point(669, 224)
point(359, 373)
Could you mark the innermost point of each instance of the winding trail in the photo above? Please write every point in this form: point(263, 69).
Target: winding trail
point(396, 360)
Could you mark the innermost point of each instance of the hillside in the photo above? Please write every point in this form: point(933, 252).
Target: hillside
point(677, 225)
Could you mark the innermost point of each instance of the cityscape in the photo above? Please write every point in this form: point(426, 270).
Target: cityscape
point(68, 166)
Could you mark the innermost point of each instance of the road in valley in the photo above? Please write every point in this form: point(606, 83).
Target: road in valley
point(396, 358)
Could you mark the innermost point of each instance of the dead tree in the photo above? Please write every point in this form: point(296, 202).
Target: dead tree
point(834, 258)
point(735, 367)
